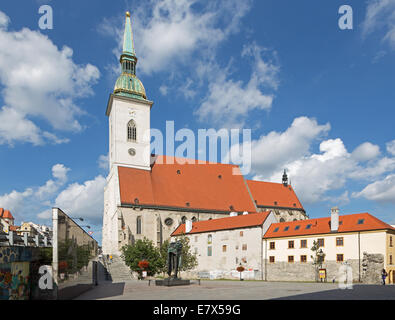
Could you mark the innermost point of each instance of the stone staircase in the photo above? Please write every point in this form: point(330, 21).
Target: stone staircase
point(118, 270)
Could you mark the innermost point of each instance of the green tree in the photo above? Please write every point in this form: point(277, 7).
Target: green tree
point(143, 250)
point(188, 259)
point(318, 257)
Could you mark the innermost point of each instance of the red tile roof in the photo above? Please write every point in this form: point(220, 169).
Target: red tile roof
point(269, 194)
point(6, 214)
point(14, 228)
point(236, 222)
point(210, 186)
point(347, 223)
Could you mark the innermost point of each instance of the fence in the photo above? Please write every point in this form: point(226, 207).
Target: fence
point(12, 239)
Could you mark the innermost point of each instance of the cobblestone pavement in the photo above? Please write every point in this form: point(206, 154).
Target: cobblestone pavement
point(236, 290)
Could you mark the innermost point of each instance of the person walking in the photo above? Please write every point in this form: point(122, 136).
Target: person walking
point(384, 275)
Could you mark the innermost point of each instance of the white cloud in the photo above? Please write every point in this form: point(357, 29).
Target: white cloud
point(374, 170)
point(316, 176)
point(366, 151)
point(313, 176)
point(83, 200)
point(163, 90)
point(170, 32)
point(59, 173)
point(391, 147)
point(229, 102)
point(271, 152)
point(24, 203)
point(76, 199)
point(39, 81)
point(174, 30)
point(103, 161)
point(15, 201)
point(381, 191)
point(4, 20)
point(380, 15)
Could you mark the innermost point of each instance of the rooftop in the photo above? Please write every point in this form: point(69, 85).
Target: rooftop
point(6, 214)
point(236, 222)
point(210, 186)
point(347, 223)
point(270, 194)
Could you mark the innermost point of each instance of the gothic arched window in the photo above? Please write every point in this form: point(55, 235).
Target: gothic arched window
point(132, 131)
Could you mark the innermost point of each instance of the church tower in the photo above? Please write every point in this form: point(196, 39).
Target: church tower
point(129, 112)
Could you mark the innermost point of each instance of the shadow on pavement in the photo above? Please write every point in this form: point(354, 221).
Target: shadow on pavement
point(104, 290)
point(358, 292)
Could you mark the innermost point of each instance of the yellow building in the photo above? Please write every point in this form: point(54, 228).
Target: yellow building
point(361, 240)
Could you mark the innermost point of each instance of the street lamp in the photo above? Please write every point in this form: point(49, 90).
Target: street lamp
point(79, 218)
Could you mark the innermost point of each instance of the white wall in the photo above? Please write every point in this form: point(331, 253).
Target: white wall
point(371, 242)
point(122, 111)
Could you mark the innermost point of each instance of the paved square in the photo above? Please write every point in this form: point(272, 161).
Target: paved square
point(236, 290)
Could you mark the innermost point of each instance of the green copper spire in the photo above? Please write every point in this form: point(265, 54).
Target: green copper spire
point(128, 84)
point(128, 45)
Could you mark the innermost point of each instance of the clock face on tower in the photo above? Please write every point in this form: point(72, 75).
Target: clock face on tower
point(132, 152)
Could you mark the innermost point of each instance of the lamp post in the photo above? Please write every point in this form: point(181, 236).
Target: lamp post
point(79, 218)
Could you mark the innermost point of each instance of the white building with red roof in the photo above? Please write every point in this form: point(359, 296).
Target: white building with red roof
point(361, 240)
point(221, 245)
point(273, 251)
point(6, 219)
point(149, 196)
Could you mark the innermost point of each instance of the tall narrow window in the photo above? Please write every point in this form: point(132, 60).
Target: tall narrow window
point(138, 225)
point(132, 131)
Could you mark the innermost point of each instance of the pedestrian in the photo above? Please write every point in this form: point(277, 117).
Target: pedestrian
point(384, 275)
point(110, 258)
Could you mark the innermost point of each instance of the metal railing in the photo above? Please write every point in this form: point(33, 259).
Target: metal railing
point(13, 239)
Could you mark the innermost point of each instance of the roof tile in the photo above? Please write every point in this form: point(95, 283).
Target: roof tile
point(236, 222)
point(347, 223)
point(209, 186)
point(272, 194)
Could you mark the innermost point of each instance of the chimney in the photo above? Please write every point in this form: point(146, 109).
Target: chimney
point(334, 219)
point(188, 226)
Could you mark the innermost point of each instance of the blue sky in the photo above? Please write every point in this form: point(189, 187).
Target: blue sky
point(319, 100)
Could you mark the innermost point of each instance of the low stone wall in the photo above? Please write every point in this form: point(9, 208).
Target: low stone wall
point(297, 271)
point(369, 272)
point(222, 274)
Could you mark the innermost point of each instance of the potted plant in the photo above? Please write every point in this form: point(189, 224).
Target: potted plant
point(143, 265)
